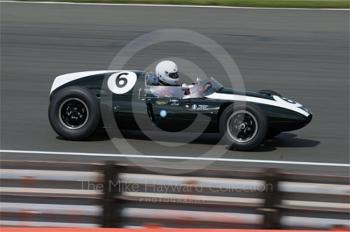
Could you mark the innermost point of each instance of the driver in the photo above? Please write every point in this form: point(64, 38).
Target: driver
point(167, 73)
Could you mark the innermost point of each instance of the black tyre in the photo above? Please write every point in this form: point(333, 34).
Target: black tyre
point(243, 127)
point(74, 113)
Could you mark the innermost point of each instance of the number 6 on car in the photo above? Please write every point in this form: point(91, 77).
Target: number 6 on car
point(121, 82)
point(244, 119)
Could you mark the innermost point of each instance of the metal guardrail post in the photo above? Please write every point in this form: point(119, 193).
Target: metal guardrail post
point(272, 200)
point(110, 190)
point(119, 187)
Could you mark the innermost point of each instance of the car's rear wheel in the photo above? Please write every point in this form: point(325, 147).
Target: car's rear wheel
point(74, 113)
point(243, 127)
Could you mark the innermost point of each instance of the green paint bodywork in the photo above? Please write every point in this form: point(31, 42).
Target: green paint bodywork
point(138, 109)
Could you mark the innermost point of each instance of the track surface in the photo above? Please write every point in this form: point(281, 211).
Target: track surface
point(300, 53)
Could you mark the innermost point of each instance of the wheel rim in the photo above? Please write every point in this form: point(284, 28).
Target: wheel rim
point(73, 113)
point(242, 126)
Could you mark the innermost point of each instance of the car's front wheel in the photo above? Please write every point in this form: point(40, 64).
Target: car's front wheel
point(74, 113)
point(243, 127)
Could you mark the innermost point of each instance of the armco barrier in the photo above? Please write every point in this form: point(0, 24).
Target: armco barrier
point(49, 194)
point(61, 194)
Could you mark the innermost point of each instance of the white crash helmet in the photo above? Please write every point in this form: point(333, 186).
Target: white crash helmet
point(167, 72)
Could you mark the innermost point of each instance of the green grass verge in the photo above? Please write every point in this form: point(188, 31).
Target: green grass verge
point(246, 3)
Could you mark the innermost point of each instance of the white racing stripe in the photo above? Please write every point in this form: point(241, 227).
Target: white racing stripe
point(176, 158)
point(69, 77)
point(176, 6)
point(278, 102)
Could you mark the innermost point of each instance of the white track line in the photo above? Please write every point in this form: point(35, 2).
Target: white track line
point(172, 5)
point(175, 158)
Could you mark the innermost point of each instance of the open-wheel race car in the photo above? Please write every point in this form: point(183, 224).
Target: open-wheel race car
point(244, 119)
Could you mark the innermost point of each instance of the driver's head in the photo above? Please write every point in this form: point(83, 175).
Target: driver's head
point(167, 72)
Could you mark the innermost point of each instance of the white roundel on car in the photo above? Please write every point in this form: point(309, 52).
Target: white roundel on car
point(122, 82)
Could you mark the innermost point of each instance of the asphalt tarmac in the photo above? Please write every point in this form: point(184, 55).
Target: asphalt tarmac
point(303, 54)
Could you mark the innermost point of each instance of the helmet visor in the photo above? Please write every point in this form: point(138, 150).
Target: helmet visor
point(174, 75)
